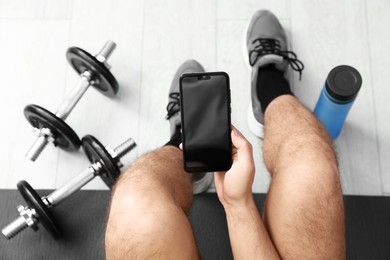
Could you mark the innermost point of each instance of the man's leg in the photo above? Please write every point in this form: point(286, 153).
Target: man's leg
point(148, 210)
point(304, 211)
point(150, 201)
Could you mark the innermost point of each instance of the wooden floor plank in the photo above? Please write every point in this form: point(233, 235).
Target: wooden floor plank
point(35, 9)
point(379, 41)
point(33, 69)
point(58, 9)
point(22, 9)
point(237, 9)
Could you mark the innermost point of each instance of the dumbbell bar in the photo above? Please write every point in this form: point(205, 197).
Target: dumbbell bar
point(49, 127)
point(105, 163)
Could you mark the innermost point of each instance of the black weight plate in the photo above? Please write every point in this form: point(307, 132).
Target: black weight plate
point(64, 135)
point(34, 201)
point(96, 152)
point(82, 61)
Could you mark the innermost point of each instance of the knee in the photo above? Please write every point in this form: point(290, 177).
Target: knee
point(142, 228)
point(156, 176)
point(317, 177)
point(312, 152)
point(143, 191)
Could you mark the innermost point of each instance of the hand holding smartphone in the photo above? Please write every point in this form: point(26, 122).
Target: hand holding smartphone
point(206, 123)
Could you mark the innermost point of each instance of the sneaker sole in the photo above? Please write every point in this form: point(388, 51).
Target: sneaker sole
point(256, 127)
point(203, 184)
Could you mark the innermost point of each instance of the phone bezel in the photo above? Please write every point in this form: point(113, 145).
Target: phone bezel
point(228, 114)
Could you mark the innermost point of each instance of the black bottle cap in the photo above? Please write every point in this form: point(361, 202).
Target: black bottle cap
point(343, 83)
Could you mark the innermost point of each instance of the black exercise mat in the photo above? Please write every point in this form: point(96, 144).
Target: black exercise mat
point(82, 219)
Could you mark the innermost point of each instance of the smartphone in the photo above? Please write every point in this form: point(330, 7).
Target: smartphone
point(205, 119)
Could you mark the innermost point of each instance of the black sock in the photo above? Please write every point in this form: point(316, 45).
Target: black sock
point(176, 138)
point(271, 84)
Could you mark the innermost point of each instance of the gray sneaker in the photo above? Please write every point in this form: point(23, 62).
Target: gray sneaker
point(201, 181)
point(265, 43)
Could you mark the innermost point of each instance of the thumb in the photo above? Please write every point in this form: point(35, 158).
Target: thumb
point(238, 139)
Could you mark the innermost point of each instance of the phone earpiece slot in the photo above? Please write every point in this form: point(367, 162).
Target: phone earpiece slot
point(204, 77)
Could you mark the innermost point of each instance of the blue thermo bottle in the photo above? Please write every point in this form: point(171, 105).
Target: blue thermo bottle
point(337, 96)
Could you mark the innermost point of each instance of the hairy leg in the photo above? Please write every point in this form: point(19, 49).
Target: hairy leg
point(304, 211)
point(147, 217)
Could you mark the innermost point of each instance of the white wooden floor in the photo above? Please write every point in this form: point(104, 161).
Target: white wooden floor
point(154, 37)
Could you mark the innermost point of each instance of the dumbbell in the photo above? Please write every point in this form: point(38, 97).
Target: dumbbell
point(105, 163)
point(49, 127)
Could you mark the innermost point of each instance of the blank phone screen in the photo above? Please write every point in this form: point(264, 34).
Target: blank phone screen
point(205, 108)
